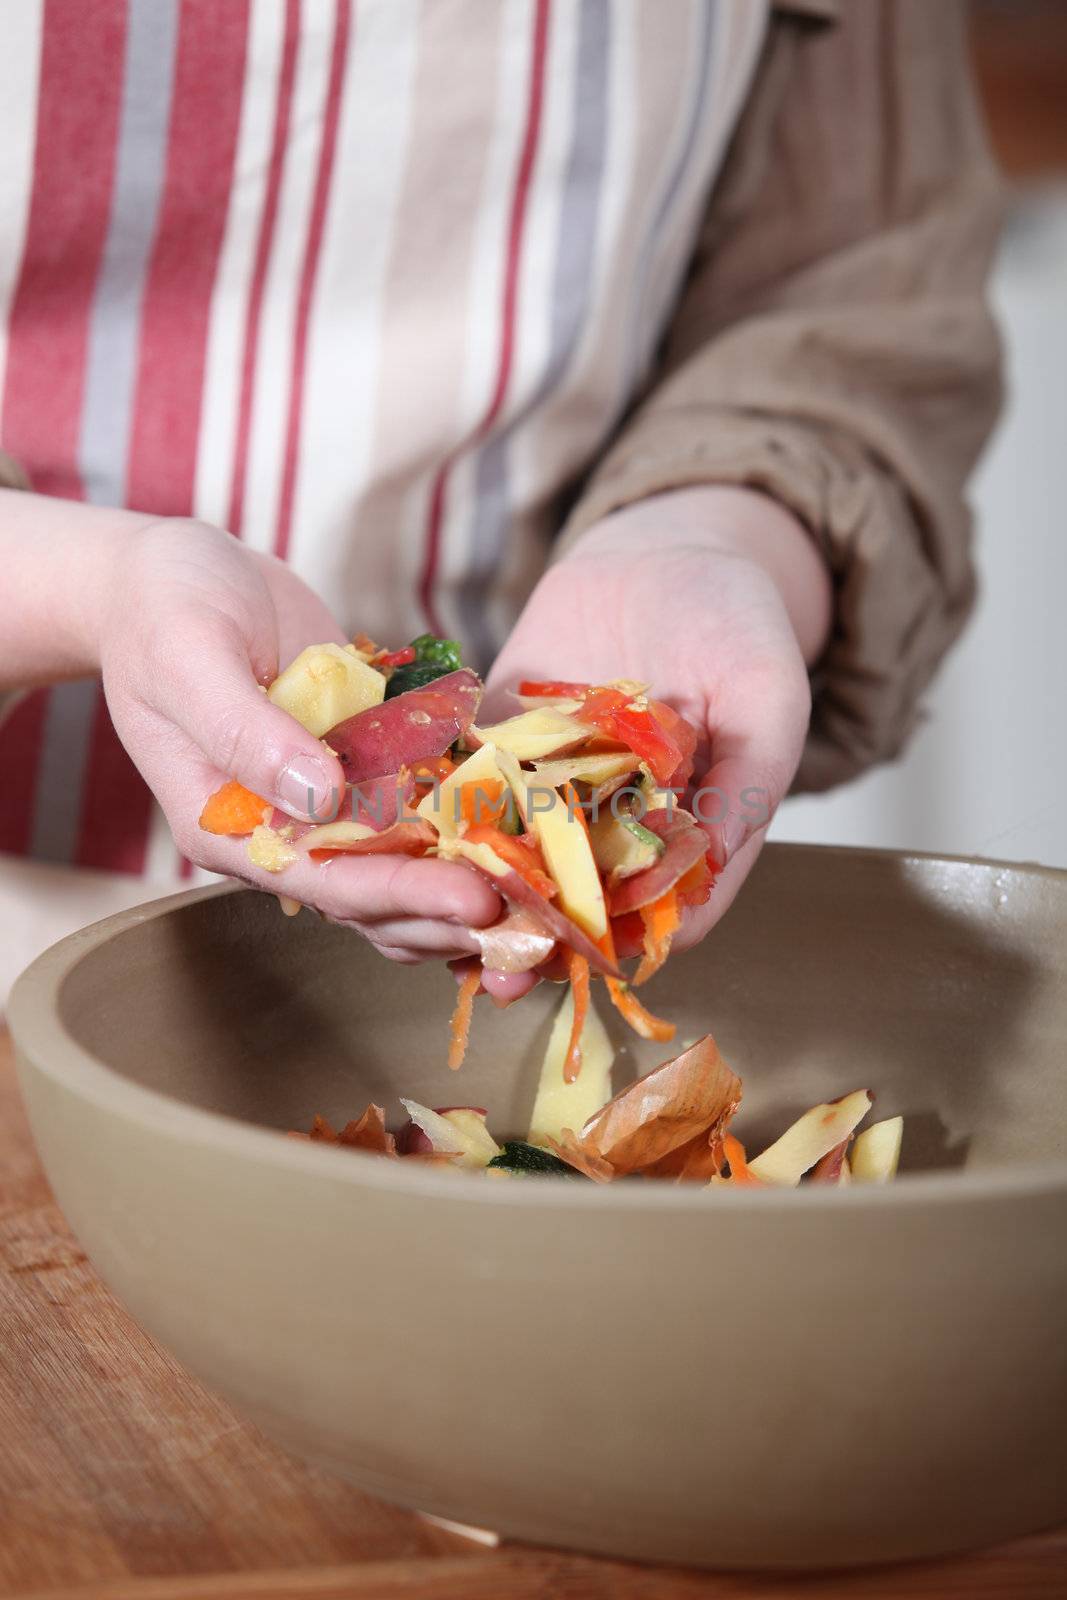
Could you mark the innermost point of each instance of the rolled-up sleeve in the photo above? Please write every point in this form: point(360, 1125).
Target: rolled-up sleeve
point(833, 348)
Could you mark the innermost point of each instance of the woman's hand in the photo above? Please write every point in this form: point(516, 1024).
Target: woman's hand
point(189, 626)
point(718, 599)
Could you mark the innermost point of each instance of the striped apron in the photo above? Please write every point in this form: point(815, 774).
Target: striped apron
point(367, 282)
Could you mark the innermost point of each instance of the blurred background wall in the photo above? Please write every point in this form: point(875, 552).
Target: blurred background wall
point(987, 773)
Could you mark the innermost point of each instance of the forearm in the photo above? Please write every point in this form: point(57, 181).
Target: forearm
point(736, 522)
point(56, 557)
point(833, 348)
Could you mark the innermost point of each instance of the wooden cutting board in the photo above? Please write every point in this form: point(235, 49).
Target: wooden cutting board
point(122, 1479)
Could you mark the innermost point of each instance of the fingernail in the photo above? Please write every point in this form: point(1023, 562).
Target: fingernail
point(734, 834)
point(304, 788)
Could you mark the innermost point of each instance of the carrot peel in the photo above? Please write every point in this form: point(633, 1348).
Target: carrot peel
point(635, 1014)
point(626, 1002)
point(579, 976)
point(740, 1171)
point(483, 802)
point(461, 1017)
point(662, 920)
point(234, 810)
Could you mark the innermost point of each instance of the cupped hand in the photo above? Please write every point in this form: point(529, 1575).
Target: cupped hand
point(718, 599)
point(194, 625)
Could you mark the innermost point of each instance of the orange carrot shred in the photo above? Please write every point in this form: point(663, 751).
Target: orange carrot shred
point(522, 853)
point(626, 1002)
point(461, 1017)
point(662, 920)
point(482, 802)
point(579, 976)
point(633, 1012)
point(740, 1171)
point(233, 809)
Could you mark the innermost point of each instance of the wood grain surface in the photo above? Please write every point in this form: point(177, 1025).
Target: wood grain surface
point(122, 1479)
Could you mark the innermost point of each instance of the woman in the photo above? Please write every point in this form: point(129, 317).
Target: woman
point(380, 289)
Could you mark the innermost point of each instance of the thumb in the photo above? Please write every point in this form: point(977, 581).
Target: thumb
point(226, 713)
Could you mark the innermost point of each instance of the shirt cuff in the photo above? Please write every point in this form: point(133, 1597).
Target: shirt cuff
point(895, 613)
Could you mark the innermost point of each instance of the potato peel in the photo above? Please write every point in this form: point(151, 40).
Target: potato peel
point(516, 943)
point(810, 1138)
point(833, 1167)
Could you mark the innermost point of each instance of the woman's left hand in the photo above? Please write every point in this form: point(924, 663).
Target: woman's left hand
point(719, 600)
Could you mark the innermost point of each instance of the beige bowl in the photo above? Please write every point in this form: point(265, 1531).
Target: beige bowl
point(737, 1379)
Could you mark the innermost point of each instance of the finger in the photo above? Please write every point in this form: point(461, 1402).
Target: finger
point(303, 619)
point(424, 936)
point(500, 700)
point(463, 966)
point(362, 891)
point(699, 921)
point(503, 988)
point(399, 953)
point(753, 759)
point(374, 889)
point(403, 957)
point(205, 684)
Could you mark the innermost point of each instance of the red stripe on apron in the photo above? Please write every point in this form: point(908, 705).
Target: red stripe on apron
point(74, 160)
point(516, 222)
point(283, 109)
point(116, 802)
point(201, 145)
point(316, 228)
point(20, 743)
point(79, 95)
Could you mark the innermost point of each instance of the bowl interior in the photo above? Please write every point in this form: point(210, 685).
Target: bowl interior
point(939, 984)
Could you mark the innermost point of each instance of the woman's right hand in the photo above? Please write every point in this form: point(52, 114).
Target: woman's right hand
point(190, 625)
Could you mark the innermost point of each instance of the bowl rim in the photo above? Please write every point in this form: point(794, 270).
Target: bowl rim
point(40, 1035)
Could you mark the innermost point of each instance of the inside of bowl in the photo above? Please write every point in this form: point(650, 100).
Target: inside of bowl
point(937, 984)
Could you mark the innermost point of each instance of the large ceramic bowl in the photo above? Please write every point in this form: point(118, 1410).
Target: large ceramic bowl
point(740, 1379)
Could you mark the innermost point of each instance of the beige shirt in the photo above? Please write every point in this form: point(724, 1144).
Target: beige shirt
point(835, 349)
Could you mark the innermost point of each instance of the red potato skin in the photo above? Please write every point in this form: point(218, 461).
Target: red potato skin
point(412, 838)
point(517, 892)
point(411, 1141)
point(828, 1170)
point(380, 802)
point(628, 935)
point(686, 845)
point(414, 727)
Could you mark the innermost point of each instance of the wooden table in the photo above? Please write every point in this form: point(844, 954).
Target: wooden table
point(122, 1479)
